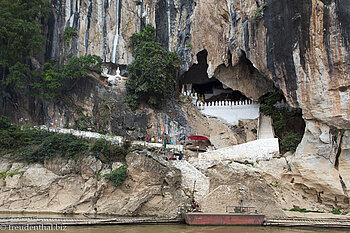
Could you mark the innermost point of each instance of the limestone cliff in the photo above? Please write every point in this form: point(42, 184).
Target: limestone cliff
point(300, 47)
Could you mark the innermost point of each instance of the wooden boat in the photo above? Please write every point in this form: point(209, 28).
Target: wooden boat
point(233, 219)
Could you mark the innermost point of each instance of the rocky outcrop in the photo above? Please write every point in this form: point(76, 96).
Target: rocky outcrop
point(301, 48)
point(152, 187)
point(232, 182)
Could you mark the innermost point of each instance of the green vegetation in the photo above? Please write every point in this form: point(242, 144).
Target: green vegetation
point(277, 185)
point(189, 45)
point(152, 75)
point(290, 141)
point(50, 82)
point(109, 151)
point(296, 16)
point(20, 36)
point(68, 34)
point(53, 145)
point(138, 2)
point(5, 174)
point(259, 13)
point(297, 209)
point(336, 212)
point(32, 145)
point(117, 176)
point(303, 210)
point(290, 137)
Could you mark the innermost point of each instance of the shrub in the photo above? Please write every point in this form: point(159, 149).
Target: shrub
point(290, 141)
point(63, 145)
point(53, 81)
point(68, 34)
point(297, 209)
point(5, 174)
point(117, 176)
point(110, 152)
point(336, 212)
point(14, 138)
point(281, 117)
point(34, 145)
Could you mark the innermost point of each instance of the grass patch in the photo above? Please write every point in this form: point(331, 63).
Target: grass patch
point(5, 174)
point(303, 210)
point(336, 212)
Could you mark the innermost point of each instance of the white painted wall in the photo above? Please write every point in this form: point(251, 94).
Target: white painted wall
point(232, 113)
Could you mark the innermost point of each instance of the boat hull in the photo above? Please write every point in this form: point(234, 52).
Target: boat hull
point(231, 219)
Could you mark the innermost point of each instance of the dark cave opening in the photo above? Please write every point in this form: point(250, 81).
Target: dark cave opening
point(211, 89)
point(240, 82)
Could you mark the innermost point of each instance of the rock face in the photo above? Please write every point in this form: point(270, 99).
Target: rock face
point(152, 188)
point(300, 47)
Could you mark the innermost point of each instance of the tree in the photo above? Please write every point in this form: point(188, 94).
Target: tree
point(20, 35)
point(152, 75)
point(50, 81)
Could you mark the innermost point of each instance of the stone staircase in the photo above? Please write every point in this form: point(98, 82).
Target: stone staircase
point(265, 127)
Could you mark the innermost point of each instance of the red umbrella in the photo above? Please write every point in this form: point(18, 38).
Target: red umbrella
point(198, 138)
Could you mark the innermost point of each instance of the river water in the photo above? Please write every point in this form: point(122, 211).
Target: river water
point(173, 228)
point(151, 228)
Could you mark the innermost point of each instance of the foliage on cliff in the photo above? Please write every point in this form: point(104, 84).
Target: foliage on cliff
point(152, 75)
point(53, 80)
point(33, 145)
point(20, 36)
point(117, 176)
point(21, 39)
point(284, 120)
point(109, 151)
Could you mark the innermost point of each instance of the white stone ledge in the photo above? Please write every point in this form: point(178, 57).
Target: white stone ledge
point(262, 149)
point(173, 148)
point(84, 134)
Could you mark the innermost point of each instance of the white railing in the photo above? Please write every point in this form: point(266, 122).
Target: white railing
point(226, 103)
point(230, 111)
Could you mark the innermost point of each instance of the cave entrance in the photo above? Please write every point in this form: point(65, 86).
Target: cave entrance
point(287, 122)
point(196, 80)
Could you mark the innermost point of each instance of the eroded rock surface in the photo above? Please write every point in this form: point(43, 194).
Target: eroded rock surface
point(152, 188)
